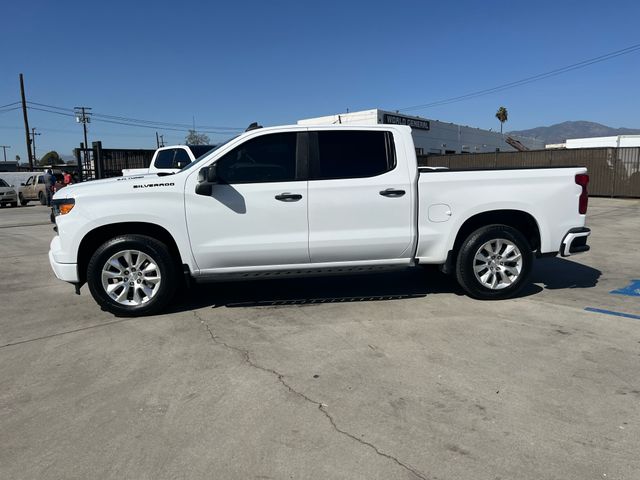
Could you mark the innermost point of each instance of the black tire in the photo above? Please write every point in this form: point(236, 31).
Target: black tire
point(43, 198)
point(23, 202)
point(151, 247)
point(466, 261)
point(14, 204)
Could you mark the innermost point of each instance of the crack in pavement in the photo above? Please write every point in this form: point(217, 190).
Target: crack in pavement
point(321, 406)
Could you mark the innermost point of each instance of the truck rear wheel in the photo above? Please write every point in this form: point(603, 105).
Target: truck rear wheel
point(494, 263)
point(43, 198)
point(132, 275)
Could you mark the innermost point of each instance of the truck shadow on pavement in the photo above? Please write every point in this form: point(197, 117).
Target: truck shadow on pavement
point(553, 273)
point(559, 273)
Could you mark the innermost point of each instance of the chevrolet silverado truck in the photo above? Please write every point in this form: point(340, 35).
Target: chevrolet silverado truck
point(300, 201)
point(171, 159)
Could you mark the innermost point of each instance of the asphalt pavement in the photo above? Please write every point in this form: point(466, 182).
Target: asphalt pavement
point(387, 376)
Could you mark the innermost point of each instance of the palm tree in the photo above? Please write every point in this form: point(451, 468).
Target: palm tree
point(502, 115)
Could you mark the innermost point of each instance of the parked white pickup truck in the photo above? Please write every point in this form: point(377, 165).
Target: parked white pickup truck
point(171, 159)
point(297, 200)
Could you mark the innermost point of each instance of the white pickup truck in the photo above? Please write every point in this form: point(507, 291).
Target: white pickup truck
point(171, 159)
point(296, 200)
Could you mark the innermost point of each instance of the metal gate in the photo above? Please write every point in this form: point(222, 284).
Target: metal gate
point(98, 162)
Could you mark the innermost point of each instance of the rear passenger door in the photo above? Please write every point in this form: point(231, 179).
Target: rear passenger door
point(359, 198)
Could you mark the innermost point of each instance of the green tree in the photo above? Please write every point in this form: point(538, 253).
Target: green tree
point(51, 158)
point(502, 115)
point(195, 138)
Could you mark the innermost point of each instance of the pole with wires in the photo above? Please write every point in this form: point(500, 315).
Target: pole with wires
point(4, 151)
point(26, 122)
point(83, 117)
point(33, 141)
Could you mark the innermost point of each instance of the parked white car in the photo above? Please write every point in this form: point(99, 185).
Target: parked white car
point(300, 200)
point(171, 159)
point(8, 194)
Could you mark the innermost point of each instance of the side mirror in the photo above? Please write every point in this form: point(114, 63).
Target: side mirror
point(22, 185)
point(207, 177)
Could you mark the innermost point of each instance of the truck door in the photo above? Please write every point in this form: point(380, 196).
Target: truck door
point(256, 215)
point(359, 197)
point(30, 192)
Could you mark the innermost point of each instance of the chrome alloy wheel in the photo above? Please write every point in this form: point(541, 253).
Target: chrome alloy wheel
point(497, 263)
point(131, 277)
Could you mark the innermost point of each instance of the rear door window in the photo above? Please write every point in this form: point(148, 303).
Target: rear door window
point(351, 154)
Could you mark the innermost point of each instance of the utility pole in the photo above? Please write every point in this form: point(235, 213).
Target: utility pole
point(26, 122)
point(83, 117)
point(33, 140)
point(162, 140)
point(157, 141)
point(4, 150)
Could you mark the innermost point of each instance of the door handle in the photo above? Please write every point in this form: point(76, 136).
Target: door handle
point(288, 197)
point(392, 192)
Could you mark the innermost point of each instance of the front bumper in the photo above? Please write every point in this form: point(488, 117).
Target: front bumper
point(64, 271)
point(575, 241)
point(8, 199)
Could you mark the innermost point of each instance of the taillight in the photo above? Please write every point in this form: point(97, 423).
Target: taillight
point(582, 179)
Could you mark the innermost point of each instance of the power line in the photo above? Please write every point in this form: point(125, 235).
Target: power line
point(531, 79)
point(146, 122)
point(186, 129)
point(7, 110)
point(10, 104)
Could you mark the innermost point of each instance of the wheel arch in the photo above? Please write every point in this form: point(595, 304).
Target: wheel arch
point(522, 221)
point(96, 237)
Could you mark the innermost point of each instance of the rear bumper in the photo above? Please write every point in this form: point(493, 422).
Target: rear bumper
point(575, 241)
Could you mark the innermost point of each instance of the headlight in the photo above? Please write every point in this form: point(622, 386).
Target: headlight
point(62, 206)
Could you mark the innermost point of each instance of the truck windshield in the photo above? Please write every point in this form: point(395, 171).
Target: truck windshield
point(201, 157)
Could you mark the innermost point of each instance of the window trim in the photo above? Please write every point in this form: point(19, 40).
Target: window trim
point(314, 155)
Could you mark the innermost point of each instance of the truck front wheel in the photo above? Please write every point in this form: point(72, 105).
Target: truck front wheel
point(132, 275)
point(494, 262)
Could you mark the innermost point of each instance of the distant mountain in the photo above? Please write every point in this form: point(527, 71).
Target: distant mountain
point(561, 131)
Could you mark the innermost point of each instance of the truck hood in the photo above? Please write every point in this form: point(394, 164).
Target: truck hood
point(101, 187)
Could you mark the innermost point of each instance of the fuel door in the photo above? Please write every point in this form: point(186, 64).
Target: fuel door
point(439, 212)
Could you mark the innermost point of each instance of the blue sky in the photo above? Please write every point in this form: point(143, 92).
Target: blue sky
point(229, 64)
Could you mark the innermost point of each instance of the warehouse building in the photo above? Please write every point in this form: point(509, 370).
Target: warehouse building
point(431, 136)
point(595, 142)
